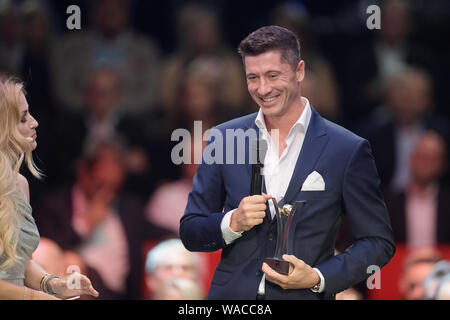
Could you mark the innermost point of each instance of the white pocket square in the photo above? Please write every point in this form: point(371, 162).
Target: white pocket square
point(314, 182)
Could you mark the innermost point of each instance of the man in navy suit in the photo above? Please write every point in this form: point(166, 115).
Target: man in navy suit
point(308, 158)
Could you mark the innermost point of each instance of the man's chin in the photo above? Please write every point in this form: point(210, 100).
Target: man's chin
point(270, 111)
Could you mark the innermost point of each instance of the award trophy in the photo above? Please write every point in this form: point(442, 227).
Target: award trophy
point(287, 218)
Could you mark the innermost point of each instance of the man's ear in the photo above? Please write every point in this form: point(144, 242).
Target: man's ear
point(300, 71)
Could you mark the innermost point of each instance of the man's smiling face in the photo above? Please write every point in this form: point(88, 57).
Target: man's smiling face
point(272, 83)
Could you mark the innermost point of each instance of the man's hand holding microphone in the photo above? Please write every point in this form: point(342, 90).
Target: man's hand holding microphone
point(251, 212)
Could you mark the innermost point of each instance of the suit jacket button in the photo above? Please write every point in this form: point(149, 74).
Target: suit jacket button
point(258, 272)
point(270, 236)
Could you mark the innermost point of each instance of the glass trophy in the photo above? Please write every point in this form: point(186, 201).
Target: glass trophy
point(287, 218)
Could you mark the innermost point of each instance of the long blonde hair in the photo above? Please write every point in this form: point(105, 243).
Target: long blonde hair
point(14, 149)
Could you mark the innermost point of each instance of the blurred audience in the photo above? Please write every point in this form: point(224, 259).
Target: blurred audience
point(437, 284)
point(102, 224)
point(167, 204)
point(168, 262)
point(371, 61)
point(420, 214)
point(107, 43)
point(199, 35)
point(417, 267)
point(394, 129)
point(102, 120)
point(179, 289)
point(319, 84)
point(35, 69)
point(198, 95)
point(12, 43)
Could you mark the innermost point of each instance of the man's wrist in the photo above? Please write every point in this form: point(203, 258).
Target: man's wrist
point(234, 229)
point(316, 282)
point(227, 233)
point(320, 284)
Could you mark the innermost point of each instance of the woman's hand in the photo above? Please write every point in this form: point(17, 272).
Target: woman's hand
point(73, 285)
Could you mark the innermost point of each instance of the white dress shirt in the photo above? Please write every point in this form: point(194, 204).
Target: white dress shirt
point(277, 172)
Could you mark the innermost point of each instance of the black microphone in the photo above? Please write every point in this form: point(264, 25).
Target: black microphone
point(259, 148)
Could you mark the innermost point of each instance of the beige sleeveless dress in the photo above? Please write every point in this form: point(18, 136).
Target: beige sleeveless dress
point(28, 242)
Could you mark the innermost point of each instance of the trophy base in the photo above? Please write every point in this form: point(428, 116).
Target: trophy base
point(278, 265)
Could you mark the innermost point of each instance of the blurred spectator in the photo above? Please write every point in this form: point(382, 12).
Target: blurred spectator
point(437, 284)
point(171, 260)
point(179, 289)
point(102, 224)
point(166, 206)
point(197, 100)
point(198, 95)
point(199, 35)
point(25, 43)
point(102, 120)
point(419, 215)
point(370, 61)
point(396, 127)
point(418, 266)
point(12, 44)
point(444, 289)
point(319, 84)
point(108, 43)
point(35, 68)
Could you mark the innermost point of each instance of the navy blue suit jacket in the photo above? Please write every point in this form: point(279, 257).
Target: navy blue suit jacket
point(352, 188)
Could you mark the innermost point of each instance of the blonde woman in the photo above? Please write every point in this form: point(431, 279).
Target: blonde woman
point(20, 276)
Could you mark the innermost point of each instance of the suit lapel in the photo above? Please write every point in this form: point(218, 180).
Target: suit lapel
point(313, 145)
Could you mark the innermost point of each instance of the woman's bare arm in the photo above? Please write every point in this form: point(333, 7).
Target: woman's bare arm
point(9, 291)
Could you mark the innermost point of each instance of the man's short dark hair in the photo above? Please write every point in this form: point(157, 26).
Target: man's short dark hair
point(272, 38)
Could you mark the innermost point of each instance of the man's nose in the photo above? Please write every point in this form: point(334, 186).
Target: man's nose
point(264, 88)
